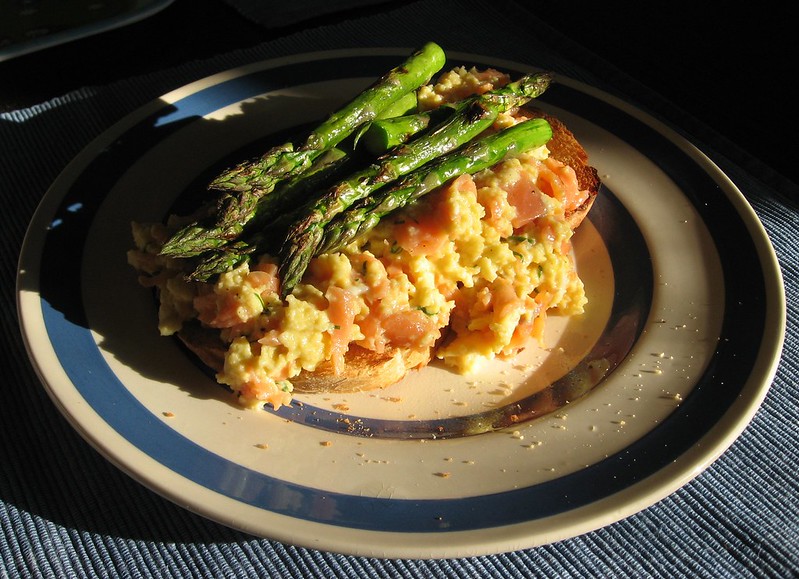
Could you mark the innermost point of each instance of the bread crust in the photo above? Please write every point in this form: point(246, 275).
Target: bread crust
point(368, 370)
point(364, 369)
point(565, 147)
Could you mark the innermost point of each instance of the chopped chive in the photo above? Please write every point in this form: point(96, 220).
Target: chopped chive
point(260, 299)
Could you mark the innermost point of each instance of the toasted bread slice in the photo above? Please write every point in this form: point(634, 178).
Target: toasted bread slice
point(565, 147)
point(368, 370)
point(365, 369)
point(204, 343)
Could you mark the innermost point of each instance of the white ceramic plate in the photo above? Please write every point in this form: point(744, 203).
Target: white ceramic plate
point(624, 405)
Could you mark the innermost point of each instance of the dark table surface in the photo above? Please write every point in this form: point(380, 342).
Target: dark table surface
point(728, 69)
point(67, 512)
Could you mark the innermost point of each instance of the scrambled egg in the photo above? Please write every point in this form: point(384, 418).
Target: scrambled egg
point(471, 270)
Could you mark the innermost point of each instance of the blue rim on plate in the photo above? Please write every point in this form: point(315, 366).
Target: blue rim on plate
point(741, 366)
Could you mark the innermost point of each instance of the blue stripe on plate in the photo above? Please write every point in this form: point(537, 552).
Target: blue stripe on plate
point(65, 320)
point(215, 97)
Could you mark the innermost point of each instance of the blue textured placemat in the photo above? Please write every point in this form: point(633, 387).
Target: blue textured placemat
point(67, 512)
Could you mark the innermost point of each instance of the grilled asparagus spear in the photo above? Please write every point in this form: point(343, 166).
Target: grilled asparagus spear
point(384, 134)
point(271, 222)
point(476, 156)
point(473, 116)
point(245, 184)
